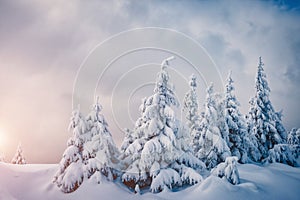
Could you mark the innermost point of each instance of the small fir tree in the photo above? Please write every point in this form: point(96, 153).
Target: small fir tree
point(229, 170)
point(19, 157)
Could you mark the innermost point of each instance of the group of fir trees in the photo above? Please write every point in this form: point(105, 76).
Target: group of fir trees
point(162, 152)
point(221, 130)
point(91, 152)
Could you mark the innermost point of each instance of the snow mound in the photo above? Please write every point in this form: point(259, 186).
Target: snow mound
point(34, 182)
point(228, 169)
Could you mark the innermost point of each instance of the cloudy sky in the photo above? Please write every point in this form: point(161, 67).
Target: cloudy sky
point(43, 43)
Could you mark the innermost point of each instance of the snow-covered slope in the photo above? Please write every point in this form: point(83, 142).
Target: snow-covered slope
point(34, 182)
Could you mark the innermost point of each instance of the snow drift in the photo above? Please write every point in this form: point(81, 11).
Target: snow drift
point(33, 182)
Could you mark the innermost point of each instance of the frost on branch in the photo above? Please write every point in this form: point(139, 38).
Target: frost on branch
point(228, 169)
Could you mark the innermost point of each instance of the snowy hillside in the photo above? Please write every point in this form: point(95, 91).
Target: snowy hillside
point(34, 182)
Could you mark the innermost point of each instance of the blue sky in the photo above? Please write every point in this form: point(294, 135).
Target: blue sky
point(43, 44)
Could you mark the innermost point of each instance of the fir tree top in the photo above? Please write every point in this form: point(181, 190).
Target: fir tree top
point(163, 88)
point(262, 86)
point(229, 84)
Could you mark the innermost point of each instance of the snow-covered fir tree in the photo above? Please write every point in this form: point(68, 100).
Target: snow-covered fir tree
point(253, 151)
point(294, 137)
point(130, 137)
point(286, 153)
point(190, 106)
point(221, 116)
point(283, 153)
point(71, 167)
point(279, 126)
point(228, 169)
point(100, 150)
point(19, 157)
point(239, 142)
point(298, 135)
point(262, 119)
point(159, 154)
point(212, 148)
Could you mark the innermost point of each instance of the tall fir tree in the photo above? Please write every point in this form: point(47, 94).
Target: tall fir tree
point(263, 121)
point(71, 167)
point(190, 106)
point(159, 156)
point(100, 149)
point(239, 142)
point(212, 149)
point(19, 157)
